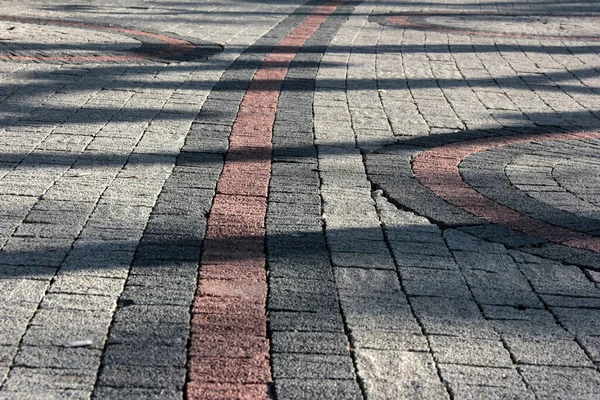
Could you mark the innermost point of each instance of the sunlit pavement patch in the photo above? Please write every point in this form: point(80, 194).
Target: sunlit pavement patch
point(45, 40)
point(438, 169)
point(498, 25)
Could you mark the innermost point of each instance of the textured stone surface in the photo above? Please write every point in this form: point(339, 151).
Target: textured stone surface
point(336, 199)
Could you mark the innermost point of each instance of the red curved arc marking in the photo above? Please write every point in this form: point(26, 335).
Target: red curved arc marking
point(229, 347)
point(438, 170)
point(405, 20)
point(174, 45)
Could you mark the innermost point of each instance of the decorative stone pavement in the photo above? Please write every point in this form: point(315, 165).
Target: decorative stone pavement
point(332, 199)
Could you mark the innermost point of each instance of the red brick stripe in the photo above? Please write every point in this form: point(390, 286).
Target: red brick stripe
point(174, 46)
point(438, 170)
point(229, 350)
point(405, 21)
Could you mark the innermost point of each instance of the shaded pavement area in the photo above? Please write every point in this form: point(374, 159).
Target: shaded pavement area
point(279, 199)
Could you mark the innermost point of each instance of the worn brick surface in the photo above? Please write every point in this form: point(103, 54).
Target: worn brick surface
point(317, 200)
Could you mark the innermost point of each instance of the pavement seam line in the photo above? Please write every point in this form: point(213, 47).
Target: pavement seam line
point(376, 192)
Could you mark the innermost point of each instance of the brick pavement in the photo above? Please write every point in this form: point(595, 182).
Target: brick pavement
point(268, 199)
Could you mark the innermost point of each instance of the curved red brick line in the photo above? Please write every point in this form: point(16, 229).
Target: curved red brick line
point(438, 170)
point(405, 21)
point(174, 45)
point(229, 348)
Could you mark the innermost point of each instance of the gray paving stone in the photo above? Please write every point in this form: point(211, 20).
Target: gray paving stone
point(356, 244)
point(317, 389)
point(457, 317)
point(57, 357)
point(101, 234)
point(7, 353)
point(399, 374)
point(366, 282)
point(67, 301)
point(149, 333)
point(408, 192)
point(276, 208)
point(22, 291)
point(426, 249)
point(104, 392)
point(299, 244)
point(565, 254)
point(86, 285)
point(144, 356)
point(492, 392)
point(458, 240)
point(160, 296)
point(294, 198)
point(389, 323)
point(515, 298)
point(362, 260)
point(433, 282)
point(469, 351)
point(130, 376)
point(176, 225)
point(591, 344)
point(305, 321)
point(312, 366)
point(96, 262)
point(168, 251)
point(25, 379)
point(484, 261)
point(458, 327)
point(571, 302)
point(374, 236)
point(306, 286)
point(16, 205)
point(423, 261)
point(166, 281)
point(531, 329)
point(309, 343)
point(58, 327)
point(556, 382)
point(303, 301)
point(501, 235)
point(578, 321)
point(48, 230)
point(147, 314)
point(13, 324)
point(163, 268)
point(559, 279)
point(47, 394)
point(458, 376)
point(508, 280)
point(387, 313)
point(547, 352)
point(43, 252)
point(4, 372)
point(378, 340)
point(292, 267)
